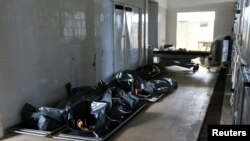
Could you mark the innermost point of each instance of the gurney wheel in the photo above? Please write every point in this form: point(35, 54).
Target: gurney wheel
point(195, 68)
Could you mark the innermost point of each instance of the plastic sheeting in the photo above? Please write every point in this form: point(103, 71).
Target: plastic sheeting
point(130, 81)
point(149, 71)
point(82, 111)
point(44, 118)
point(155, 88)
point(96, 111)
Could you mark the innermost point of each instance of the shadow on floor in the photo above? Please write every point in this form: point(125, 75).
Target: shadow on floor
point(213, 115)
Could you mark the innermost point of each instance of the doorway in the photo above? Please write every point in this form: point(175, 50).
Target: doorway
point(195, 31)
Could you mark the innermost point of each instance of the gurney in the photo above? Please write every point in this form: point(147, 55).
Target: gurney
point(147, 90)
point(180, 58)
point(103, 112)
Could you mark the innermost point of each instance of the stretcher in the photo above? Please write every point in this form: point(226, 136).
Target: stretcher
point(68, 134)
point(186, 59)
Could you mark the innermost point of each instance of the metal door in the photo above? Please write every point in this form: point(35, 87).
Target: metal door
point(119, 44)
point(126, 37)
point(132, 38)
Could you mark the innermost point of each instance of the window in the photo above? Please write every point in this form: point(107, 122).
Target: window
point(195, 30)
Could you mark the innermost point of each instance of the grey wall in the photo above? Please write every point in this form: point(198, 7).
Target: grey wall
point(223, 19)
point(162, 22)
point(152, 28)
point(104, 39)
point(161, 18)
point(162, 25)
point(44, 44)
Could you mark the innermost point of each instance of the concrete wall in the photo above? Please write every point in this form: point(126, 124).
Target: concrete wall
point(223, 19)
point(136, 3)
point(44, 44)
point(104, 39)
point(152, 28)
point(162, 25)
point(162, 22)
point(162, 3)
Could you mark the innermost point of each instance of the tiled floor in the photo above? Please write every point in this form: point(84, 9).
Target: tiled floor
point(176, 117)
